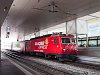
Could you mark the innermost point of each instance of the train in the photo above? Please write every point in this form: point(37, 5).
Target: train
point(60, 46)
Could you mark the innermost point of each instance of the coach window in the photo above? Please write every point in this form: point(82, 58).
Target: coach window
point(55, 41)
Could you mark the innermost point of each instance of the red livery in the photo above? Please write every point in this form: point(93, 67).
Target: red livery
point(59, 46)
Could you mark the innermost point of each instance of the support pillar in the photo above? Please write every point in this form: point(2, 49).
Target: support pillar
point(66, 28)
point(76, 31)
point(76, 38)
point(86, 40)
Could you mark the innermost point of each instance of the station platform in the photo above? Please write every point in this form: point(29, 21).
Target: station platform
point(7, 68)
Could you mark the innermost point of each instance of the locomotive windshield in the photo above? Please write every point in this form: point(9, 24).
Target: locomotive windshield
point(65, 40)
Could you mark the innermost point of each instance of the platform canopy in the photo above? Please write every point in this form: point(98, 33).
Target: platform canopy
point(4, 8)
point(28, 16)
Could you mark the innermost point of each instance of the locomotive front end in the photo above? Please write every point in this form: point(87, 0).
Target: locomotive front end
point(69, 48)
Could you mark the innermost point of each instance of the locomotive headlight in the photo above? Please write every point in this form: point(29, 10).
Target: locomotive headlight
point(75, 49)
point(64, 49)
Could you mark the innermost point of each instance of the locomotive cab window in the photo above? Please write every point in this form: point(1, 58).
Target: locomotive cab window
point(65, 40)
point(73, 41)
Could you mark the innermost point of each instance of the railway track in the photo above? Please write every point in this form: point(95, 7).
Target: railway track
point(58, 68)
point(40, 69)
point(82, 68)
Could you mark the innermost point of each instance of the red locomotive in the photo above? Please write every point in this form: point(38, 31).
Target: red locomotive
point(59, 46)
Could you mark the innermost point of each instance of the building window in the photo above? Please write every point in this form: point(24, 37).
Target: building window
point(92, 43)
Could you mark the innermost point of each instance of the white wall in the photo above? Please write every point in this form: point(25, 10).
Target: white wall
point(94, 27)
point(58, 28)
point(77, 26)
